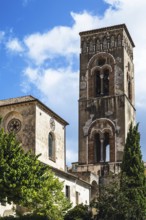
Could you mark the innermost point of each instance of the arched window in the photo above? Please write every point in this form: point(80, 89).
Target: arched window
point(51, 146)
point(97, 148)
point(106, 82)
point(98, 83)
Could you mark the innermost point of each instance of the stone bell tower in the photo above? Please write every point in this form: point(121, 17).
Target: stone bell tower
point(106, 98)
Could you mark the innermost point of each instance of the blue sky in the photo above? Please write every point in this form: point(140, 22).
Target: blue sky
point(39, 53)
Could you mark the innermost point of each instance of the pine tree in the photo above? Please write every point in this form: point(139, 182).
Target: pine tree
point(132, 175)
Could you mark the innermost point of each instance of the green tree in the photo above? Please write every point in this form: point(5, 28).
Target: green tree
point(124, 198)
point(132, 175)
point(25, 181)
point(111, 203)
point(79, 212)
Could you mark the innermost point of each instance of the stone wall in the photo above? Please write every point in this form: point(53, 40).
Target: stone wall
point(43, 128)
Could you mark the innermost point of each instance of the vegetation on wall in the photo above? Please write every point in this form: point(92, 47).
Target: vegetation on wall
point(27, 182)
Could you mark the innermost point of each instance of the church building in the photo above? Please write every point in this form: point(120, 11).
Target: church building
point(42, 131)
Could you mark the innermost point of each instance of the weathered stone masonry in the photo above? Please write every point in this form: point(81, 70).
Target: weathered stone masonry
point(106, 99)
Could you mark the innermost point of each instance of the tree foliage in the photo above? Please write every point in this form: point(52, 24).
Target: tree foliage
point(25, 181)
point(111, 202)
point(79, 212)
point(125, 198)
point(132, 175)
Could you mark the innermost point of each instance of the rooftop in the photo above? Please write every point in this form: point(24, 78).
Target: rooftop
point(30, 99)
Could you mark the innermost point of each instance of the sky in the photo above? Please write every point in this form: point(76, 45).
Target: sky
point(39, 53)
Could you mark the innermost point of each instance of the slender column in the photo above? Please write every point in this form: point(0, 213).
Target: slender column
point(101, 78)
point(101, 156)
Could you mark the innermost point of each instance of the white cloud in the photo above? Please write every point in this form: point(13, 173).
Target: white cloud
point(60, 41)
point(59, 86)
point(14, 45)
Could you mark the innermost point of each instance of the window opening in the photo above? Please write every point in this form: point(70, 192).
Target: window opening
point(101, 62)
point(97, 146)
point(106, 82)
point(51, 147)
point(129, 89)
point(67, 191)
point(98, 84)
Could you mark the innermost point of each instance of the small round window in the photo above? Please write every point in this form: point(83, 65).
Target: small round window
point(14, 125)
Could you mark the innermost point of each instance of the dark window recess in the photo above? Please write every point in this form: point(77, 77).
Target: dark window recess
point(106, 82)
point(67, 192)
point(51, 147)
point(101, 62)
point(98, 84)
point(97, 147)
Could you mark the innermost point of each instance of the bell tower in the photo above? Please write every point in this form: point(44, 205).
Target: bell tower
point(106, 96)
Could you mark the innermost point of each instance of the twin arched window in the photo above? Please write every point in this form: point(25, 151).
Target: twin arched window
point(51, 147)
point(102, 148)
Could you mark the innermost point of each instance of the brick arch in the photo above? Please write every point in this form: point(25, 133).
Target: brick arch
point(94, 69)
point(101, 127)
point(101, 121)
point(99, 55)
point(107, 66)
point(95, 131)
point(101, 69)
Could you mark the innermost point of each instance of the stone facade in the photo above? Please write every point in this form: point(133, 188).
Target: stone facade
point(42, 131)
point(106, 102)
point(35, 125)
